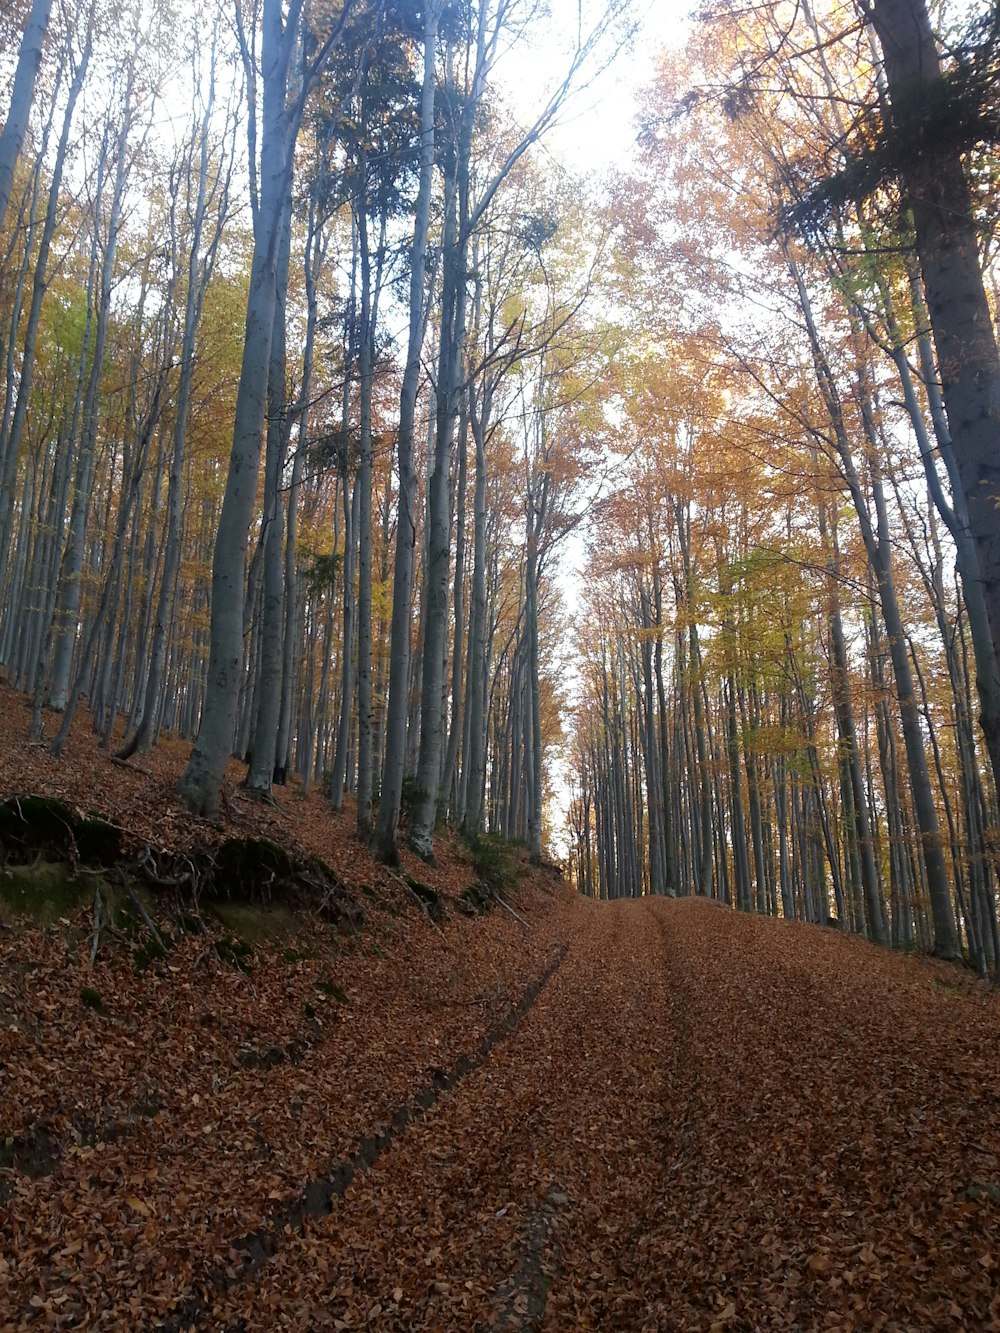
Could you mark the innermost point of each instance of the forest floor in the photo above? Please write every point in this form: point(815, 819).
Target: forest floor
point(562, 1115)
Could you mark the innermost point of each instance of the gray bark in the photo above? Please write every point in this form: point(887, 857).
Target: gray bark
point(201, 784)
point(200, 264)
point(385, 833)
point(947, 245)
point(366, 351)
point(267, 703)
point(29, 59)
point(73, 559)
point(435, 620)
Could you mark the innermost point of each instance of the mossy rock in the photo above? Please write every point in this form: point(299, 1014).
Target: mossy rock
point(476, 900)
point(257, 925)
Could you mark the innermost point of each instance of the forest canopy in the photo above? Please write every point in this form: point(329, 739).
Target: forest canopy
point(650, 517)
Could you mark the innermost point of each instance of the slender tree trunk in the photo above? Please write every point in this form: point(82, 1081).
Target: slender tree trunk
point(385, 833)
point(29, 59)
point(435, 610)
point(199, 269)
point(366, 354)
point(459, 646)
point(267, 704)
point(39, 287)
point(201, 784)
point(73, 559)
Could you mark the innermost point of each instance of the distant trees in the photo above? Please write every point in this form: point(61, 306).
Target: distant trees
point(815, 724)
point(759, 383)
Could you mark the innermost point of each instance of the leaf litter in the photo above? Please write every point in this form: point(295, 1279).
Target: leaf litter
point(700, 1121)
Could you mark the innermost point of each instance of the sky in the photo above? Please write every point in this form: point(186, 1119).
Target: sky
point(596, 134)
point(596, 131)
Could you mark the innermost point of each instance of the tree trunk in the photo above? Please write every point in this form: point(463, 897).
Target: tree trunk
point(366, 354)
point(29, 59)
point(39, 286)
point(199, 270)
point(267, 703)
point(201, 784)
point(385, 834)
point(947, 244)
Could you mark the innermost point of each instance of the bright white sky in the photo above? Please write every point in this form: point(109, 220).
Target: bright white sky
point(596, 131)
point(594, 135)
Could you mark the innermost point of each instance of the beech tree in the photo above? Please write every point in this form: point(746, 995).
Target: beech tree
point(734, 376)
point(282, 104)
point(29, 59)
point(941, 111)
point(200, 202)
point(833, 831)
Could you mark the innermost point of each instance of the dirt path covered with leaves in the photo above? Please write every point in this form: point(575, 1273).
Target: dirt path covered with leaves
point(633, 1116)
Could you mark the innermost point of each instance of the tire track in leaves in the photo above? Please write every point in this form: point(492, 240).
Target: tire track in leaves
point(318, 1198)
point(515, 1198)
point(523, 1297)
point(841, 1103)
point(125, 1232)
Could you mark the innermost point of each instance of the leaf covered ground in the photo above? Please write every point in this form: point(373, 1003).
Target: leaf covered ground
point(642, 1115)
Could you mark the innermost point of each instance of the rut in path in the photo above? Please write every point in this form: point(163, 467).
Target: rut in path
point(704, 1121)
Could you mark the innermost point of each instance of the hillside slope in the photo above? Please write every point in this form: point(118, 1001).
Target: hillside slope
point(565, 1115)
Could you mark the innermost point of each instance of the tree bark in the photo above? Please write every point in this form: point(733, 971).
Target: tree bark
point(201, 784)
point(29, 59)
point(387, 824)
point(939, 197)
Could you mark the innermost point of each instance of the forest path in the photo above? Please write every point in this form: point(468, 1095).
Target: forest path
point(541, 1157)
point(639, 1115)
point(705, 1121)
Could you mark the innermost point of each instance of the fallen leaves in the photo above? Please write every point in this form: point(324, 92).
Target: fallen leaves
point(705, 1121)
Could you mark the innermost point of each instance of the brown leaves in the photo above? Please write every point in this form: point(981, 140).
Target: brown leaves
point(145, 1141)
point(706, 1121)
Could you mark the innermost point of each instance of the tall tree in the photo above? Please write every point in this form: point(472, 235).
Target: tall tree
point(282, 103)
point(938, 111)
point(29, 60)
point(390, 800)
